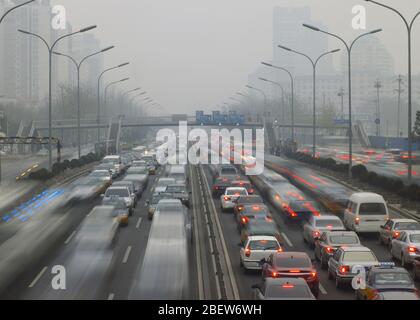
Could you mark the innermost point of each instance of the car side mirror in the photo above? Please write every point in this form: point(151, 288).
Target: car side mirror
point(262, 261)
point(382, 227)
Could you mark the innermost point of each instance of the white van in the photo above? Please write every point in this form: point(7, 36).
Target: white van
point(116, 161)
point(365, 212)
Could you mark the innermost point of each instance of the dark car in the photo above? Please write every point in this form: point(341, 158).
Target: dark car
point(252, 211)
point(282, 289)
point(330, 241)
point(246, 200)
point(260, 227)
point(291, 265)
point(178, 191)
point(301, 210)
point(220, 185)
point(244, 184)
point(385, 278)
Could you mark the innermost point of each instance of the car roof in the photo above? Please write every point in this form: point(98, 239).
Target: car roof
point(292, 254)
point(338, 232)
point(326, 217)
point(388, 269)
point(355, 249)
point(235, 188)
point(281, 281)
point(366, 196)
point(404, 220)
point(117, 187)
point(170, 201)
point(411, 232)
point(254, 238)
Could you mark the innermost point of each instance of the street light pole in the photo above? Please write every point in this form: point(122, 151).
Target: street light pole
point(50, 51)
point(14, 8)
point(314, 64)
point(349, 48)
point(409, 26)
point(98, 116)
point(282, 101)
point(109, 85)
point(78, 67)
point(378, 86)
point(265, 99)
point(292, 92)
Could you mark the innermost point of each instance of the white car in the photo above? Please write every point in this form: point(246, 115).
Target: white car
point(406, 247)
point(227, 200)
point(393, 227)
point(162, 184)
point(103, 175)
point(257, 248)
point(122, 192)
point(316, 225)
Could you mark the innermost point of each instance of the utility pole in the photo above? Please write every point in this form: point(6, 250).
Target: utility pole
point(399, 91)
point(378, 86)
point(341, 95)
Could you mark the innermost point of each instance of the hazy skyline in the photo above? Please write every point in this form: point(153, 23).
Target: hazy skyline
point(194, 54)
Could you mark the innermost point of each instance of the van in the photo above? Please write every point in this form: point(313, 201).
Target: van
point(365, 212)
point(116, 161)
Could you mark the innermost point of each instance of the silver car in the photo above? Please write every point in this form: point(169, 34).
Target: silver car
point(318, 224)
point(406, 247)
point(122, 192)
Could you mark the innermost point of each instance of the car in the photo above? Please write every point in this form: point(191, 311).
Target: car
point(152, 203)
point(259, 227)
point(85, 189)
point(178, 191)
point(415, 269)
point(121, 212)
point(227, 200)
point(174, 206)
point(313, 228)
point(257, 248)
point(330, 241)
point(406, 247)
point(108, 166)
point(226, 170)
point(178, 173)
point(282, 289)
point(138, 170)
point(301, 210)
point(241, 201)
point(252, 211)
point(139, 163)
point(219, 186)
point(366, 212)
point(139, 183)
point(385, 278)
point(393, 227)
point(343, 265)
point(243, 184)
point(122, 192)
point(397, 295)
point(162, 184)
point(116, 161)
point(130, 185)
point(291, 265)
point(103, 175)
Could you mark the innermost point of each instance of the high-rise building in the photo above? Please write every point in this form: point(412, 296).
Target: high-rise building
point(289, 32)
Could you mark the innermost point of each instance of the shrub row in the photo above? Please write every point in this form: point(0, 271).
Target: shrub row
point(58, 167)
point(360, 172)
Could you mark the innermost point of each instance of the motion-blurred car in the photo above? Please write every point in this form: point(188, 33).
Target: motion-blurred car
point(314, 227)
point(220, 185)
point(243, 184)
point(241, 201)
point(178, 191)
point(251, 212)
point(257, 248)
point(393, 227)
point(227, 200)
point(103, 175)
point(301, 210)
point(385, 278)
point(108, 166)
point(291, 265)
point(406, 247)
point(152, 203)
point(330, 241)
point(121, 212)
point(343, 265)
point(162, 184)
point(122, 192)
point(130, 185)
point(85, 189)
point(282, 289)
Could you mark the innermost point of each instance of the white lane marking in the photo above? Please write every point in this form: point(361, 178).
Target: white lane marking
point(138, 223)
point(126, 255)
point(111, 296)
point(70, 237)
point(33, 283)
point(286, 239)
point(322, 289)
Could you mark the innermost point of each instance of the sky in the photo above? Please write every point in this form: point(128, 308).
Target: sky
point(194, 54)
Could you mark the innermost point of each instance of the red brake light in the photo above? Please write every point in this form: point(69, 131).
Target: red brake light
point(240, 208)
point(244, 220)
point(226, 198)
point(329, 249)
point(251, 191)
point(288, 286)
point(256, 208)
point(344, 269)
point(396, 234)
point(356, 221)
point(313, 274)
point(316, 234)
point(294, 271)
point(247, 251)
point(280, 249)
point(412, 249)
point(274, 274)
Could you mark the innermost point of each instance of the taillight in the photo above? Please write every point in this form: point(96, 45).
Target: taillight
point(288, 286)
point(344, 269)
point(226, 198)
point(247, 251)
point(396, 234)
point(240, 208)
point(245, 220)
point(356, 221)
point(274, 274)
point(329, 249)
point(316, 234)
point(280, 249)
point(412, 249)
point(294, 271)
point(313, 274)
point(215, 187)
point(251, 191)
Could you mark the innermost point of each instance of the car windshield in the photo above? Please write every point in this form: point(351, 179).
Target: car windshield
point(176, 189)
point(372, 209)
point(236, 192)
point(117, 202)
point(138, 170)
point(392, 278)
point(256, 199)
point(174, 206)
point(324, 223)
point(255, 209)
point(117, 192)
point(415, 238)
point(359, 256)
point(288, 291)
point(110, 160)
point(344, 240)
point(228, 171)
point(293, 262)
point(164, 182)
point(407, 226)
point(263, 245)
